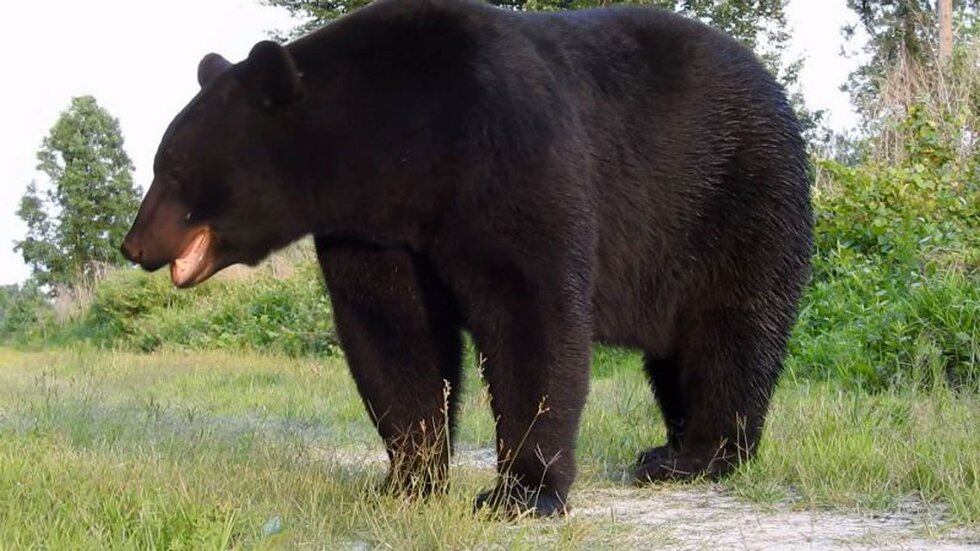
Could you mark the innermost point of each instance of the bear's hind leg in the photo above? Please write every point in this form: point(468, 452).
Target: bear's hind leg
point(399, 330)
point(728, 365)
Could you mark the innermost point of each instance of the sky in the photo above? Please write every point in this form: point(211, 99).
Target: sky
point(139, 59)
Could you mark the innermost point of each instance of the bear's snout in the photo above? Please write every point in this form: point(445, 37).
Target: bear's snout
point(131, 249)
point(160, 231)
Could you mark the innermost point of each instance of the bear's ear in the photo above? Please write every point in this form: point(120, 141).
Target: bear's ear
point(210, 67)
point(271, 73)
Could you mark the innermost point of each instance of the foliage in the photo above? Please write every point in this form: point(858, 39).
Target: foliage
point(23, 310)
point(901, 32)
point(871, 326)
point(759, 24)
point(143, 311)
point(84, 214)
point(931, 200)
point(8, 297)
point(896, 291)
point(313, 13)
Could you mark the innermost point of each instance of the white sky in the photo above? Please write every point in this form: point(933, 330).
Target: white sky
point(139, 58)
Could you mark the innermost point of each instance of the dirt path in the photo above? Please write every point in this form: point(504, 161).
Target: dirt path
point(699, 518)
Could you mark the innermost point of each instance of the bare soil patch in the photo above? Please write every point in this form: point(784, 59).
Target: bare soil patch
point(705, 518)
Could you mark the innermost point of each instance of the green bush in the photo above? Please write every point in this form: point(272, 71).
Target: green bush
point(895, 297)
point(143, 311)
point(126, 298)
point(24, 313)
point(895, 213)
point(290, 316)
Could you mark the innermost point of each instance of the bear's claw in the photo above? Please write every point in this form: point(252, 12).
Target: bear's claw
point(659, 453)
point(679, 467)
point(515, 504)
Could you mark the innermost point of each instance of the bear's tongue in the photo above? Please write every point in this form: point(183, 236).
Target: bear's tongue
point(195, 262)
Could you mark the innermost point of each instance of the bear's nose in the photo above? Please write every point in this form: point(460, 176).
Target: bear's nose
point(132, 249)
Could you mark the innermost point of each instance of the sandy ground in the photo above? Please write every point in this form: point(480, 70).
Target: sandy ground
point(700, 518)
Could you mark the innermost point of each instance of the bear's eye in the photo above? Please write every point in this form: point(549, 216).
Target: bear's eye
point(187, 216)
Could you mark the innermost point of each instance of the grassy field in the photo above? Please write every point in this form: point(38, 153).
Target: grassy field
point(190, 450)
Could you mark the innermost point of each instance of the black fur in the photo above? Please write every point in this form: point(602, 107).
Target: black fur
point(543, 181)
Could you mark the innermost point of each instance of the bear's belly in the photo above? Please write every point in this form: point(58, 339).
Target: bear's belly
point(635, 308)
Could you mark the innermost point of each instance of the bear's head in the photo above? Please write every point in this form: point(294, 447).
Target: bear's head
point(220, 194)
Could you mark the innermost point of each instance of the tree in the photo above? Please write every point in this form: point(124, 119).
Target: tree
point(945, 30)
point(8, 294)
point(759, 24)
point(746, 20)
point(902, 31)
point(22, 307)
point(313, 13)
point(83, 213)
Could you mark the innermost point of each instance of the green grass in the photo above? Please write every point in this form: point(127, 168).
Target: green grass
point(875, 326)
point(186, 450)
point(828, 447)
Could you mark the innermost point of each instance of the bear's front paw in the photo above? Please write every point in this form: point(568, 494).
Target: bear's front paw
point(680, 467)
point(517, 502)
point(654, 455)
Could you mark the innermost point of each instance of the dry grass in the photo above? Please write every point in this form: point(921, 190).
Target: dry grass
point(948, 93)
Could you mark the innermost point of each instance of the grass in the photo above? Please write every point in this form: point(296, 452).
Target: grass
point(873, 326)
point(189, 450)
point(832, 448)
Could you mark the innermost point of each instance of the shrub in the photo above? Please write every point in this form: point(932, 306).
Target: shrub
point(24, 313)
point(288, 315)
point(902, 213)
point(126, 298)
point(895, 297)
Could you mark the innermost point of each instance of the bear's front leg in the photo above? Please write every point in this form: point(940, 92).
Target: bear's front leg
point(399, 329)
point(535, 339)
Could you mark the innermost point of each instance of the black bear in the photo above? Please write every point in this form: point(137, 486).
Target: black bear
point(543, 181)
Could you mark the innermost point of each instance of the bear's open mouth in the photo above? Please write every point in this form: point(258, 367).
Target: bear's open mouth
point(196, 261)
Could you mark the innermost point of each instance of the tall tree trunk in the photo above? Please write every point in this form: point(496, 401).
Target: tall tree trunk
point(945, 30)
